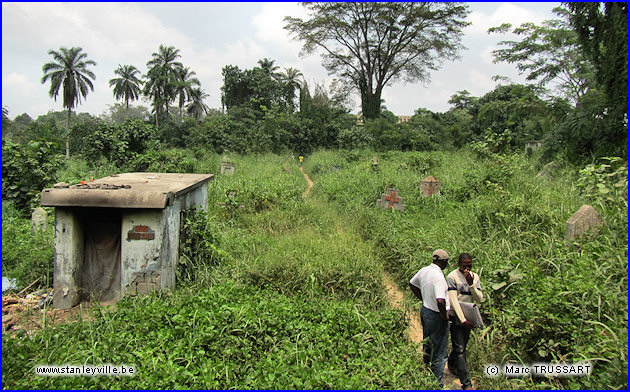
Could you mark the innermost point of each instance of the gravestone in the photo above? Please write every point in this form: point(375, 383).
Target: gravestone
point(430, 186)
point(374, 163)
point(533, 145)
point(584, 220)
point(549, 171)
point(39, 220)
point(391, 199)
point(227, 168)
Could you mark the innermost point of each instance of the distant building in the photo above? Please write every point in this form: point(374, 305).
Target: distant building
point(401, 119)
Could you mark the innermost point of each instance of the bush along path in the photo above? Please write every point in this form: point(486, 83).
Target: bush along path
point(396, 299)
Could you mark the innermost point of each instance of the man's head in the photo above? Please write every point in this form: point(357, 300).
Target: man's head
point(465, 262)
point(440, 257)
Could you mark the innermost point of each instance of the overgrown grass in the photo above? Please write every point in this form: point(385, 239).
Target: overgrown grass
point(226, 336)
point(26, 256)
point(546, 301)
point(291, 296)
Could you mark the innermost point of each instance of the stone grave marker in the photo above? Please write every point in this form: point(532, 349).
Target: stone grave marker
point(391, 199)
point(430, 186)
point(533, 145)
point(549, 171)
point(227, 168)
point(39, 220)
point(374, 163)
point(584, 220)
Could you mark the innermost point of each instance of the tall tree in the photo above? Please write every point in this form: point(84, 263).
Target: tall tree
point(196, 107)
point(291, 79)
point(268, 66)
point(373, 44)
point(602, 30)
point(128, 85)
point(548, 53)
point(185, 84)
point(69, 72)
point(162, 78)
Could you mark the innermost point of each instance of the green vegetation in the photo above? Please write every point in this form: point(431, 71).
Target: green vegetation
point(284, 285)
point(279, 288)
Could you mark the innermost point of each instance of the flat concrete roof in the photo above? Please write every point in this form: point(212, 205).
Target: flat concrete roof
point(125, 190)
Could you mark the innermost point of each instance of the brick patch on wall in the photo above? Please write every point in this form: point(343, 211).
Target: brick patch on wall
point(140, 232)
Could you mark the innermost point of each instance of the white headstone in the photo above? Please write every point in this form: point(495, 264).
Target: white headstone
point(39, 219)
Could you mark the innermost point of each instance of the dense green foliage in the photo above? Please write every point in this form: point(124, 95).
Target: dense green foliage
point(26, 170)
point(602, 30)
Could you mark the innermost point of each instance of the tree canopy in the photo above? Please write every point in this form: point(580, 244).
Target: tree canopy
point(548, 53)
point(127, 85)
point(373, 44)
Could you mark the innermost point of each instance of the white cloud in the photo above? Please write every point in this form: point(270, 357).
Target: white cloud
point(505, 13)
point(270, 23)
point(480, 82)
point(116, 32)
point(485, 55)
point(14, 80)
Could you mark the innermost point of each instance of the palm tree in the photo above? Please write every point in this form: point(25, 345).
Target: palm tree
point(267, 66)
point(69, 72)
point(290, 78)
point(161, 78)
point(185, 83)
point(127, 86)
point(196, 107)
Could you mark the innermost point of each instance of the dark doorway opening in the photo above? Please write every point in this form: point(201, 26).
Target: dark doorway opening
point(100, 272)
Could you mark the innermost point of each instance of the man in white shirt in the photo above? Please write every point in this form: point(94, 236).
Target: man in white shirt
point(429, 285)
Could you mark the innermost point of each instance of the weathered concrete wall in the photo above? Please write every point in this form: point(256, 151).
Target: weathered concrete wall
point(172, 227)
point(196, 198)
point(142, 236)
point(68, 258)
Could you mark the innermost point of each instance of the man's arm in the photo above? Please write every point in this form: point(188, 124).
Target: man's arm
point(455, 306)
point(441, 303)
point(416, 291)
point(475, 289)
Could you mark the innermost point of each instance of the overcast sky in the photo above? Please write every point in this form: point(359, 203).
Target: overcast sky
point(212, 35)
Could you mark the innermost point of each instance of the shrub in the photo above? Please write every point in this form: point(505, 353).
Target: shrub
point(26, 170)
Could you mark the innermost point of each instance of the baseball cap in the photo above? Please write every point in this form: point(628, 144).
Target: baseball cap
point(440, 254)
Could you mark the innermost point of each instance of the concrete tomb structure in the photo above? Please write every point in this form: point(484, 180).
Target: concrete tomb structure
point(120, 234)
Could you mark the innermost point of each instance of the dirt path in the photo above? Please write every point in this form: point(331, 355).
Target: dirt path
point(309, 183)
point(397, 300)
